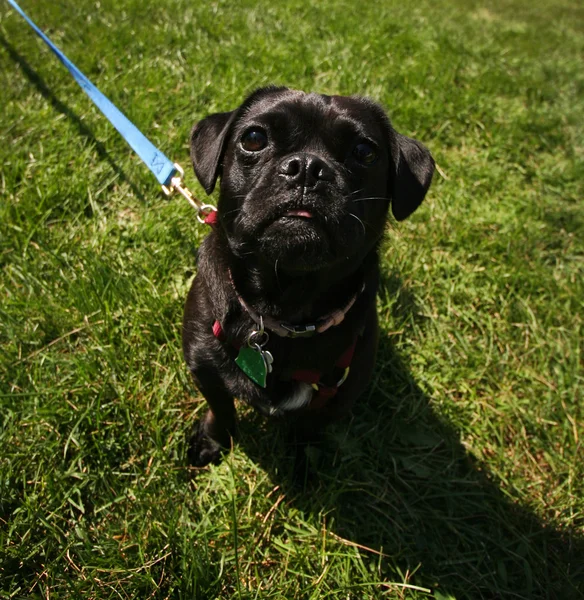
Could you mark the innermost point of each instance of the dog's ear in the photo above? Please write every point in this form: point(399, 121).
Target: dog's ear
point(414, 167)
point(208, 139)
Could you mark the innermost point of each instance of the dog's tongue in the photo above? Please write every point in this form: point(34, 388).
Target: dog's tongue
point(299, 213)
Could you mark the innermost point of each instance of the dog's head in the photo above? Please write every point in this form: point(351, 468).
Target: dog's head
point(306, 179)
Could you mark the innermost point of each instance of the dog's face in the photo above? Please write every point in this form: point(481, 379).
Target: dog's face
point(306, 179)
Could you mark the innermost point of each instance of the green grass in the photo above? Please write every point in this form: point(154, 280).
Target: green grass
point(461, 473)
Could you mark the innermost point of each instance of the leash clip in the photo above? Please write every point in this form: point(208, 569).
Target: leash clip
point(176, 185)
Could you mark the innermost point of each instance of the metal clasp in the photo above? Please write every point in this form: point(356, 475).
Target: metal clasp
point(299, 331)
point(176, 185)
point(258, 337)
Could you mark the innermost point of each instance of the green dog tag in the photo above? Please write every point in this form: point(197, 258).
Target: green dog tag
point(251, 361)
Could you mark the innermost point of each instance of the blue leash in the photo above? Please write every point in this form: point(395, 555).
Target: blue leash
point(168, 174)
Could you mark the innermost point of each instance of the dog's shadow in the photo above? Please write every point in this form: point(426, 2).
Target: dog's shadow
point(398, 482)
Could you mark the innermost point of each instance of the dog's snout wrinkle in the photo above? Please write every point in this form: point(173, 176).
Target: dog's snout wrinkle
point(306, 170)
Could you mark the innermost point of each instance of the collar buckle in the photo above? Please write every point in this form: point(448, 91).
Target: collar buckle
point(299, 331)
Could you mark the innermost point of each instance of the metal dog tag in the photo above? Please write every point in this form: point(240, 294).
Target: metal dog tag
point(255, 363)
point(269, 360)
point(253, 360)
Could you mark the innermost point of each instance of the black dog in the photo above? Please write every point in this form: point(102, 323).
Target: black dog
point(282, 312)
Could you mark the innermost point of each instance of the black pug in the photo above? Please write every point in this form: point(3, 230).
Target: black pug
point(282, 311)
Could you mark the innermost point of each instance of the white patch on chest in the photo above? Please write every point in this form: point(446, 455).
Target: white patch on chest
point(299, 397)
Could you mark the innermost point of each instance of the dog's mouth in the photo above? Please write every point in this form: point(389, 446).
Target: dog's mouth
point(299, 234)
point(299, 213)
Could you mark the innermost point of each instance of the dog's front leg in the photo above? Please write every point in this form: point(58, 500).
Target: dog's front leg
point(212, 435)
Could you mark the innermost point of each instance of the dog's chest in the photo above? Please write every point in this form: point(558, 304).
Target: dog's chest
point(306, 376)
point(299, 396)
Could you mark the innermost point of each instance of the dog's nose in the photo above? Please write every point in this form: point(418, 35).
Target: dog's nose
point(306, 170)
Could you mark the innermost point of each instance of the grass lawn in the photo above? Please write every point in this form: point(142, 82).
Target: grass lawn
point(461, 472)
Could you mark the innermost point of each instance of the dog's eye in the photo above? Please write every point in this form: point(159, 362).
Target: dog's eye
point(254, 140)
point(365, 153)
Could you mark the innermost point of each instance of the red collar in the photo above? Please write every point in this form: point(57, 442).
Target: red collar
point(284, 329)
point(211, 218)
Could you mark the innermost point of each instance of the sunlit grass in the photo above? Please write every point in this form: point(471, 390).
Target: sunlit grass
point(460, 474)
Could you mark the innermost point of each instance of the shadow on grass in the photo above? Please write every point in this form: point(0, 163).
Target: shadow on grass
point(398, 481)
point(84, 131)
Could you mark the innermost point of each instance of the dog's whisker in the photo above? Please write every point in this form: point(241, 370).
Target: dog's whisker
point(360, 221)
point(370, 198)
point(230, 211)
point(276, 272)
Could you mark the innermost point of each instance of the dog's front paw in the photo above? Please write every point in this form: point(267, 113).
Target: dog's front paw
point(203, 449)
